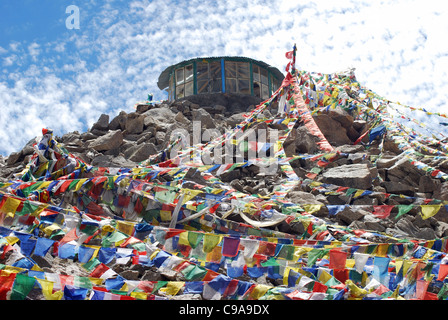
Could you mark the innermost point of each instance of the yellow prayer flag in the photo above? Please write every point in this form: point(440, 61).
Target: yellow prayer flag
point(429, 210)
point(165, 215)
point(286, 274)
point(406, 265)
point(210, 242)
point(79, 184)
point(358, 193)
point(10, 205)
point(259, 291)
point(355, 291)
point(311, 208)
point(350, 263)
point(47, 290)
point(96, 281)
point(35, 267)
point(139, 295)
point(173, 287)
point(125, 227)
point(299, 251)
point(44, 185)
point(398, 265)
point(324, 276)
point(382, 249)
point(11, 239)
point(50, 229)
point(190, 194)
point(10, 269)
point(183, 239)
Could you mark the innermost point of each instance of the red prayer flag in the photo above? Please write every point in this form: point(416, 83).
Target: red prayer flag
point(382, 211)
point(443, 272)
point(319, 287)
point(337, 259)
point(6, 283)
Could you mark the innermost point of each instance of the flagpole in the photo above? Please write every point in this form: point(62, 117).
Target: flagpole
point(294, 59)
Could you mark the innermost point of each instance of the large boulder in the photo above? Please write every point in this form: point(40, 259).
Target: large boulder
point(300, 141)
point(350, 175)
point(333, 131)
point(405, 172)
point(159, 118)
point(140, 152)
point(134, 123)
point(102, 123)
point(119, 122)
point(204, 118)
point(111, 140)
point(396, 187)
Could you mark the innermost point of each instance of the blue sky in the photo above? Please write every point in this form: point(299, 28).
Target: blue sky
point(65, 79)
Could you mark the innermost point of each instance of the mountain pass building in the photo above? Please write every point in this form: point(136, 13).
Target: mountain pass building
point(235, 75)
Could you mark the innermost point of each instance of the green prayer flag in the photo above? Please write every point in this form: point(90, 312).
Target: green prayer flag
point(22, 287)
point(27, 208)
point(194, 272)
point(270, 263)
point(332, 282)
point(443, 293)
point(91, 265)
point(403, 209)
point(194, 238)
point(158, 285)
point(165, 196)
point(315, 254)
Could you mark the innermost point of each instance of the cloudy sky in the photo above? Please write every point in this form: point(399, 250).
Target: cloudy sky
point(61, 78)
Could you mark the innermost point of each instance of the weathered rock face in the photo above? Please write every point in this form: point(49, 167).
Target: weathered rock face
point(335, 133)
point(111, 140)
point(349, 175)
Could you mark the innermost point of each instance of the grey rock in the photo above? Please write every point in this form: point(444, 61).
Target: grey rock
point(348, 215)
point(130, 274)
point(426, 233)
point(235, 119)
point(351, 175)
point(333, 131)
point(405, 172)
point(441, 192)
point(141, 152)
point(13, 158)
point(102, 123)
point(204, 118)
point(398, 188)
point(135, 123)
point(300, 141)
point(182, 119)
point(119, 122)
point(111, 161)
point(160, 137)
point(111, 140)
point(164, 113)
point(427, 184)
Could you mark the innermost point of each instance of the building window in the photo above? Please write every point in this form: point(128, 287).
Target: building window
point(184, 81)
point(261, 82)
point(171, 90)
point(237, 77)
point(275, 84)
point(208, 74)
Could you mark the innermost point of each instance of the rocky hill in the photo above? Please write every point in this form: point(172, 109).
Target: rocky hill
point(314, 193)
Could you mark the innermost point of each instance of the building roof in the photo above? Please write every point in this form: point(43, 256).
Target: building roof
point(164, 77)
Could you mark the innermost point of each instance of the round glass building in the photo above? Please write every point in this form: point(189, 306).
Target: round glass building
point(220, 75)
